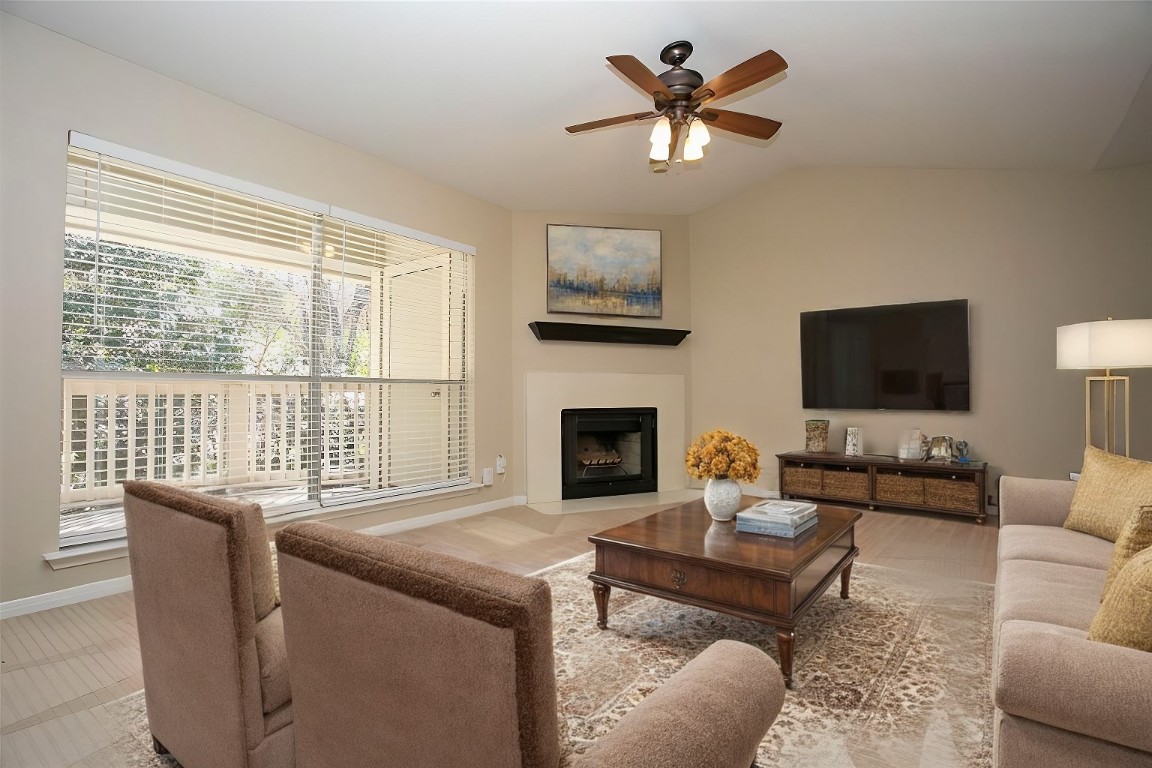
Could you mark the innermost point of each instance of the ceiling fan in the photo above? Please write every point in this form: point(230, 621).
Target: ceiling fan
point(679, 96)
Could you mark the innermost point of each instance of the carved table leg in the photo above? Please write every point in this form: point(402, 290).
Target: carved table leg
point(784, 641)
point(845, 575)
point(601, 593)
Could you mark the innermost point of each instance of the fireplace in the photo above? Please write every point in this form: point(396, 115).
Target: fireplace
point(607, 451)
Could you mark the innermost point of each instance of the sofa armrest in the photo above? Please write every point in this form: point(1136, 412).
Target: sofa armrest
point(713, 713)
point(1032, 501)
point(1055, 675)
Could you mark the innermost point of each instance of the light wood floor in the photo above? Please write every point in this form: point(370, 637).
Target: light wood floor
point(61, 667)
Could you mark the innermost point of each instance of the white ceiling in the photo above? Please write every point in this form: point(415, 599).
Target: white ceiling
point(475, 95)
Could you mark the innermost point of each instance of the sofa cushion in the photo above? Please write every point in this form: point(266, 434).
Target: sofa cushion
point(1134, 537)
point(1055, 675)
point(1125, 616)
point(1052, 593)
point(275, 690)
point(1050, 544)
point(1110, 490)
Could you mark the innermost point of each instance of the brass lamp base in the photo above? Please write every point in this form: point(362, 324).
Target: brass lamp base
point(1110, 384)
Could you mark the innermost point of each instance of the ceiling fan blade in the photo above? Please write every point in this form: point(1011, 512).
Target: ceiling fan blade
point(634, 70)
point(741, 76)
point(610, 121)
point(738, 122)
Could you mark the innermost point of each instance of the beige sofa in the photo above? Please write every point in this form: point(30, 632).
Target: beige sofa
point(1061, 699)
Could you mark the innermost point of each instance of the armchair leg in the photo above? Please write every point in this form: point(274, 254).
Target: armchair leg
point(159, 748)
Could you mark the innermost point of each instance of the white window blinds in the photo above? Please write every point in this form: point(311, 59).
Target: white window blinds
point(219, 340)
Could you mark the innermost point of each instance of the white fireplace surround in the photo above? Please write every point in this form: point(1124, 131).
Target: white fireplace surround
point(546, 393)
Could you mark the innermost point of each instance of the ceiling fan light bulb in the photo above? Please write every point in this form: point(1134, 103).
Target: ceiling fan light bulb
point(659, 152)
point(698, 133)
point(661, 132)
point(692, 150)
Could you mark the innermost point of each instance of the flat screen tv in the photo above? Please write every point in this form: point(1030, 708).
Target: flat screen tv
point(906, 357)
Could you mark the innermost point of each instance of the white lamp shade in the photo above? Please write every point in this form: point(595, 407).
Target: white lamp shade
point(1105, 344)
point(698, 133)
point(659, 152)
point(692, 150)
point(661, 132)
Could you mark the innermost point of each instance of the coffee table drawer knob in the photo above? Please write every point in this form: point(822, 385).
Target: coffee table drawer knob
point(679, 578)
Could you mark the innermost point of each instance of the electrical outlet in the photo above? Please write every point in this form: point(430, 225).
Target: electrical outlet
point(501, 464)
point(487, 475)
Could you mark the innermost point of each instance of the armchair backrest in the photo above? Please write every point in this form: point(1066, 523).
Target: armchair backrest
point(202, 578)
point(403, 657)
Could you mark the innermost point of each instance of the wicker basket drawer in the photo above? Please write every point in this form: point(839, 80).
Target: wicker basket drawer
point(899, 488)
point(801, 481)
point(846, 484)
point(961, 495)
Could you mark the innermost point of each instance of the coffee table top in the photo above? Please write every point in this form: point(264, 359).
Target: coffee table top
point(690, 533)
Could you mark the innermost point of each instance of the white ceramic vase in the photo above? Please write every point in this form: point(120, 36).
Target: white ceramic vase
point(722, 498)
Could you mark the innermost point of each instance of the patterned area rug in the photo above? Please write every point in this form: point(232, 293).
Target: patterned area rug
point(896, 676)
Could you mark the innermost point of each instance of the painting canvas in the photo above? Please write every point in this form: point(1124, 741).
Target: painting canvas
point(604, 271)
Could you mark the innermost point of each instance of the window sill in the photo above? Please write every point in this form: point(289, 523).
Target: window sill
point(115, 549)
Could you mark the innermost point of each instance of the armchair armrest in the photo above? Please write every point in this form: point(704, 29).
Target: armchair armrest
point(1055, 675)
point(1032, 501)
point(713, 713)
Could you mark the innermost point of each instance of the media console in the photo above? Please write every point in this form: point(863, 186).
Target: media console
point(931, 486)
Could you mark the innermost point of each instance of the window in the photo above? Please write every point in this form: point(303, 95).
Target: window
point(252, 348)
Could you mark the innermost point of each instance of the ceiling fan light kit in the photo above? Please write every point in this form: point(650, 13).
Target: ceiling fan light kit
point(678, 96)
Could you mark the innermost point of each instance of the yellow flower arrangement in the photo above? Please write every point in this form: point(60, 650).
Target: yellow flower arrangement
point(720, 454)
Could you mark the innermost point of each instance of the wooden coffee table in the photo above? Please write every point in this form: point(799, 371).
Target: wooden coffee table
point(680, 554)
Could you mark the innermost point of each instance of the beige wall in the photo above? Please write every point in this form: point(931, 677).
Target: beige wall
point(527, 280)
point(51, 85)
point(1029, 250)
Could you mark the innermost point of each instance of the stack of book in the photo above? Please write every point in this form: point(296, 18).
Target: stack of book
point(777, 517)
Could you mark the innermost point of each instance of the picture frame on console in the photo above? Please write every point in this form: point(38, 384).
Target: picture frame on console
point(608, 271)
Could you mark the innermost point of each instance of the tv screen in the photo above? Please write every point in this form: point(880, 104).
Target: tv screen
point(910, 357)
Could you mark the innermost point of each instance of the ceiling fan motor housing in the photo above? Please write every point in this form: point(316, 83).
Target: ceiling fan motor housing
point(681, 81)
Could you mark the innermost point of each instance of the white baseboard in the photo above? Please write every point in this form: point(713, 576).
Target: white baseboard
point(62, 597)
point(387, 529)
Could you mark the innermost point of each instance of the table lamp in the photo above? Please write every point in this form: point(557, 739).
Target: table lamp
point(1105, 344)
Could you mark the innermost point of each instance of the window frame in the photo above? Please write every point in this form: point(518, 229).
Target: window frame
point(315, 504)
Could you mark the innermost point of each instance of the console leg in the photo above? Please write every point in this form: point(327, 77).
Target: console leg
point(601, 592)
point(845, 576)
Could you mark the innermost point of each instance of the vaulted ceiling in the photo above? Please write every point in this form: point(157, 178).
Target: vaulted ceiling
point(475, 95)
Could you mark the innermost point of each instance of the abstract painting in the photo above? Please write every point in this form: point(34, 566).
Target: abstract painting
point(604, 271)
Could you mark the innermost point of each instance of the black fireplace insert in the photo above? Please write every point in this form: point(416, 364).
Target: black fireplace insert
point(607, 451)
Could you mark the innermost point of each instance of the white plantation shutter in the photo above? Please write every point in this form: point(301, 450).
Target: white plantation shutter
point(258, 348)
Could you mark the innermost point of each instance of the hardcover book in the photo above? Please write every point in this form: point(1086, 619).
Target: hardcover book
point(790, 513)
point(771, 529)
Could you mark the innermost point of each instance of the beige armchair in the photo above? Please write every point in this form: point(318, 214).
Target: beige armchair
point(414, 659)
point(211, 638)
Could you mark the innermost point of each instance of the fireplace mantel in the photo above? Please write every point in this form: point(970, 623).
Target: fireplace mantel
point(607, 334)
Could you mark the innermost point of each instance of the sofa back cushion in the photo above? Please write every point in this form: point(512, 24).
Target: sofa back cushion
point(1125, 616)
point(1110, 490)
point(1135, 536)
